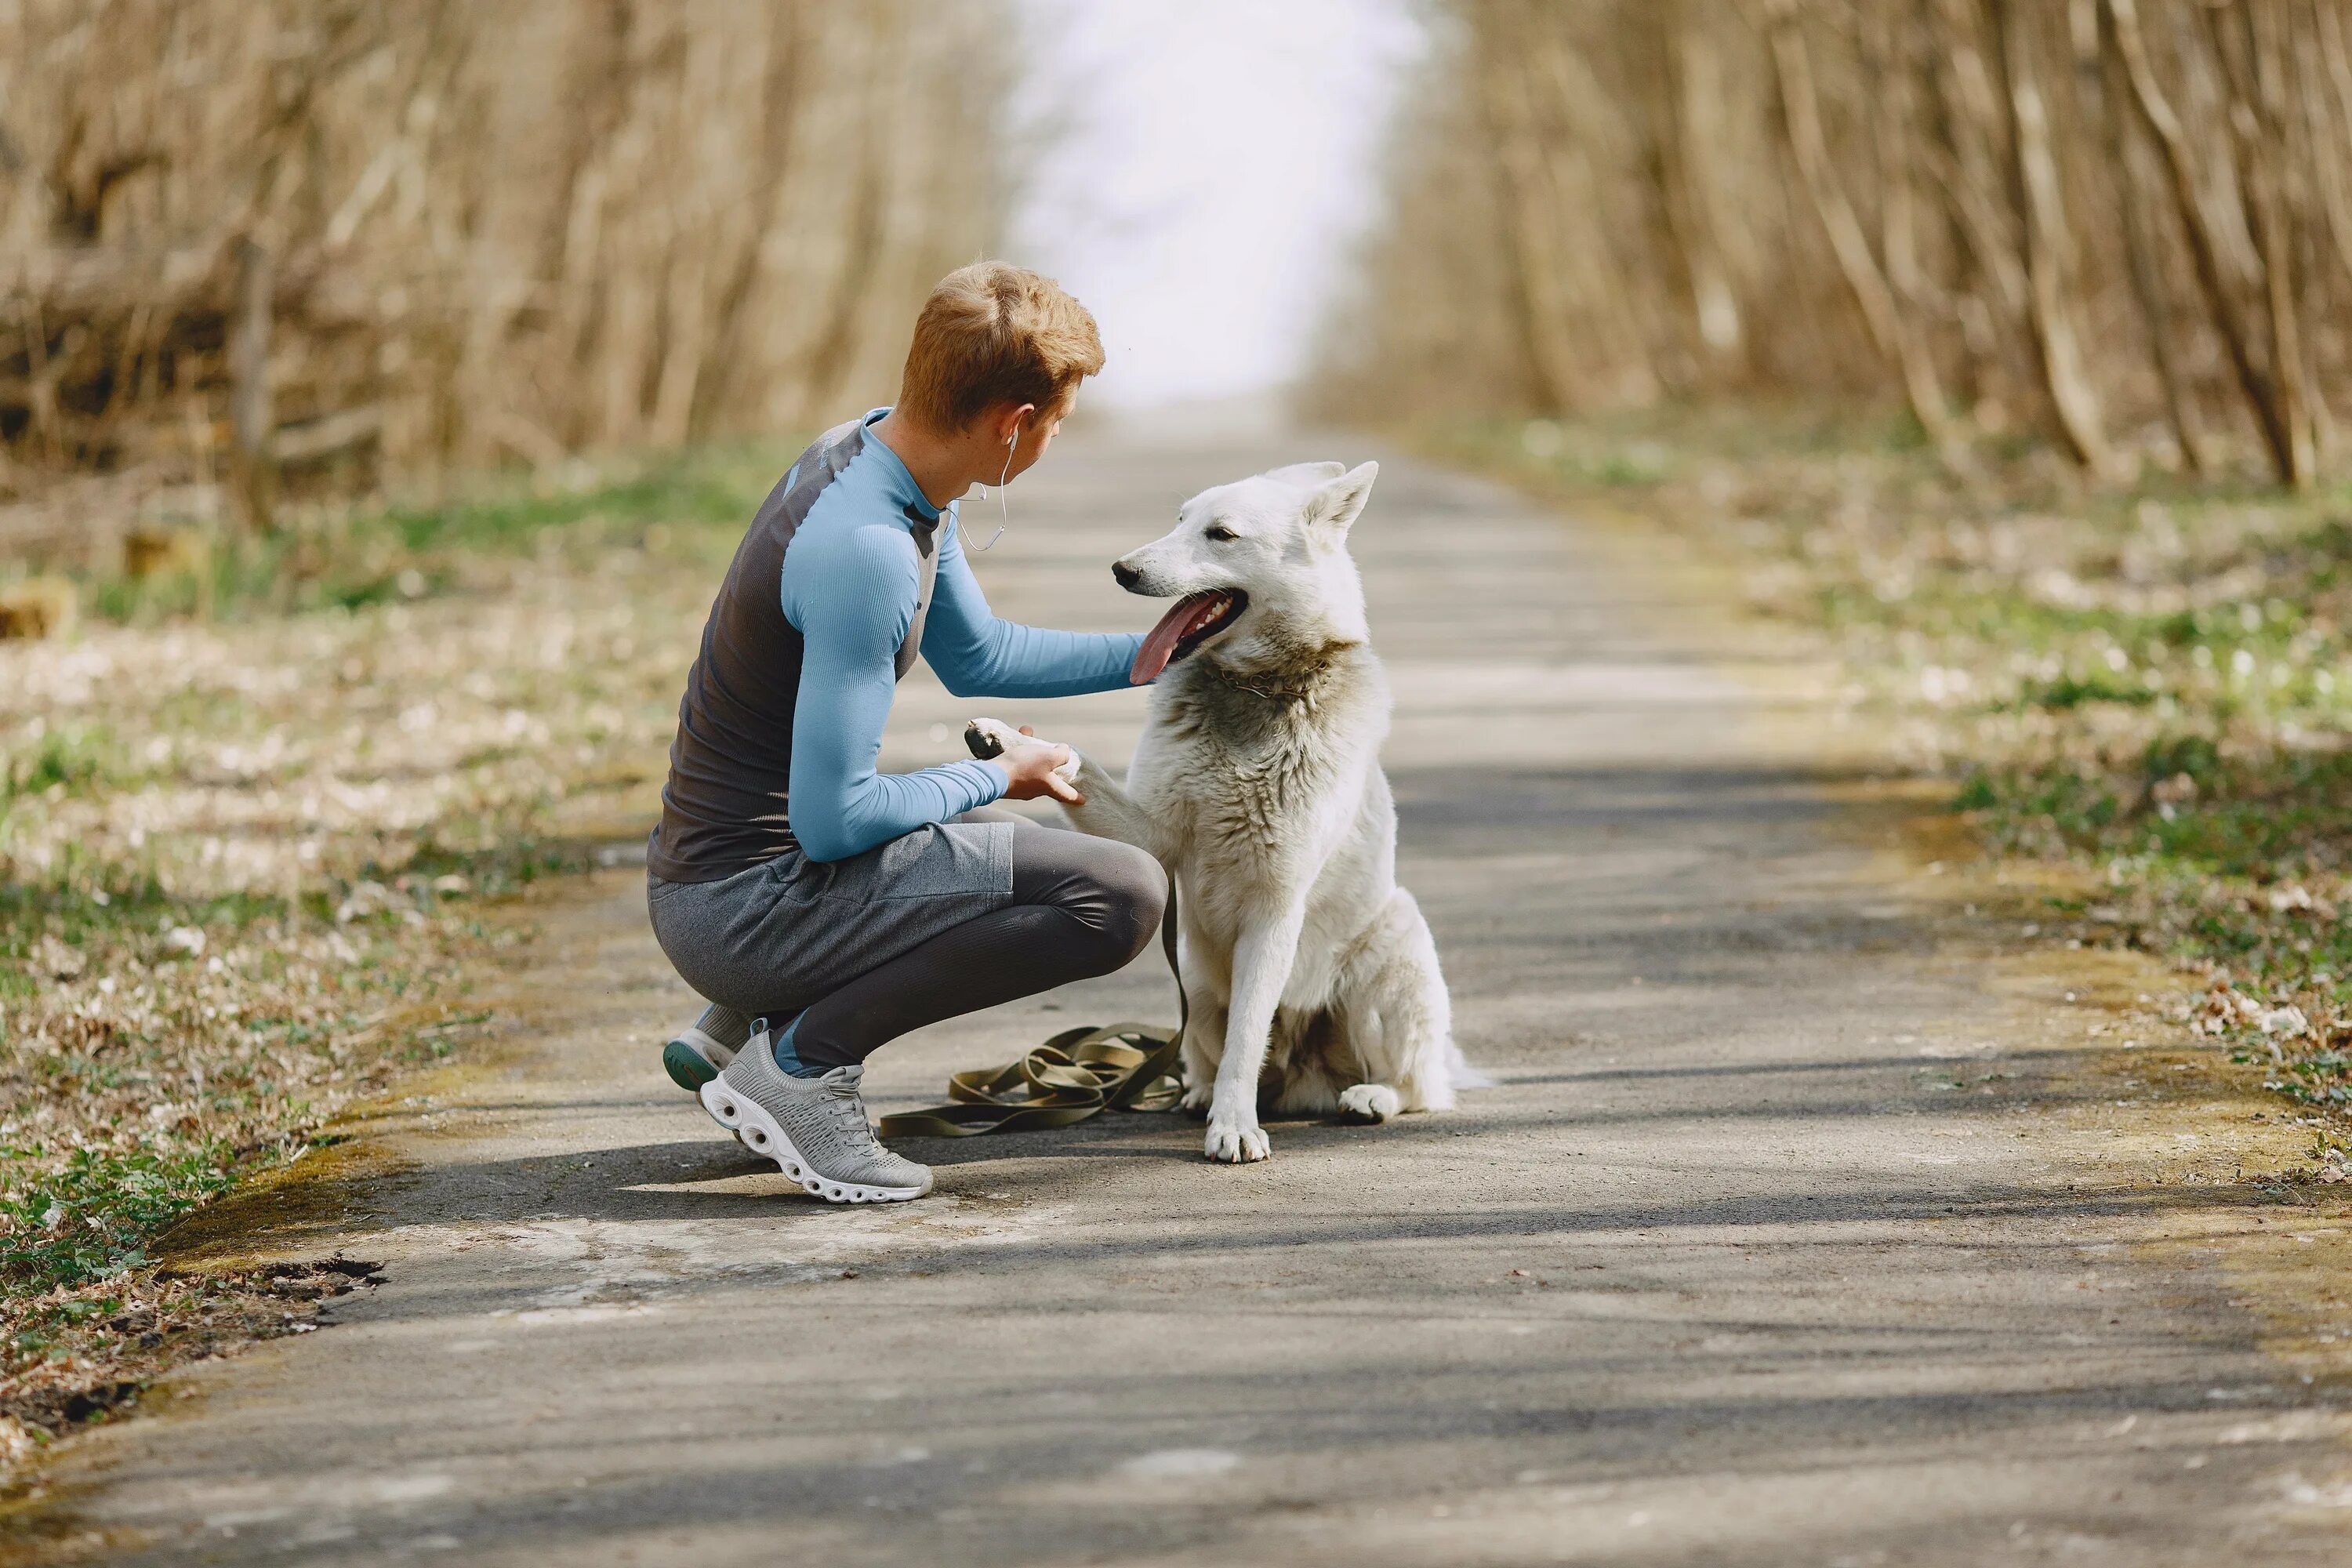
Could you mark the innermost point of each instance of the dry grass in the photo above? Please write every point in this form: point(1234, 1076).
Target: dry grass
point(243, 861)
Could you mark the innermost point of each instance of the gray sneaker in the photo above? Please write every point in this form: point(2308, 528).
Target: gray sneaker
point(700, 1051)
point(814, 1128)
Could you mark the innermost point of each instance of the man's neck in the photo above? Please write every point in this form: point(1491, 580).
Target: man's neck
point(941, 465)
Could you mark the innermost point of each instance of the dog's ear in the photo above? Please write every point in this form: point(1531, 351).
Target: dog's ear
point(1341, 500)
point(1307, 475)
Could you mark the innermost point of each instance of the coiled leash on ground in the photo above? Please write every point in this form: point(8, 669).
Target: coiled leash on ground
point(1075, 1075)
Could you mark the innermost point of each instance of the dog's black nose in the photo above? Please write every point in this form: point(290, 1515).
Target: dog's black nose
point(1126, 576)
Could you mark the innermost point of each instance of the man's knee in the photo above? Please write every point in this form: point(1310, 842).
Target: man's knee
point(1134, 892)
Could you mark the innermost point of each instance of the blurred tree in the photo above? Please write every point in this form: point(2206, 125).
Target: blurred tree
point(2127, 223)
point(339, 240)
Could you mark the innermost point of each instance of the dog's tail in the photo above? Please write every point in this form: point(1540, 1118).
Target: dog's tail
point(1464, 1075)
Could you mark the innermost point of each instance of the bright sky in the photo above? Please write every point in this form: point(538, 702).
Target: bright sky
point(1204, 167)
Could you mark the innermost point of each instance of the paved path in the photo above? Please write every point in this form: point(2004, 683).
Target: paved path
point(1766, 1249)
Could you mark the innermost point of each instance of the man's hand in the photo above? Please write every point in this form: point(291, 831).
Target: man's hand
point(1030, 765)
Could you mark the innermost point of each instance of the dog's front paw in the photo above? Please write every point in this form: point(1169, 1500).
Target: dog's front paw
point(1195, 1103)
point(1236, 1142)
point(1369, 1102)
point(990, 738)
point(987, 738)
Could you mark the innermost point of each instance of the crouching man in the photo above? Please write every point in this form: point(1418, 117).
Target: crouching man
point(791, 883)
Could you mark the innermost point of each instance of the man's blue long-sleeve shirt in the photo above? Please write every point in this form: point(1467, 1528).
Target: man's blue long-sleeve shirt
point(849, 586)
point(840, 544)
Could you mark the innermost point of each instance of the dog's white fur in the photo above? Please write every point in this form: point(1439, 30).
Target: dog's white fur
point(1309, 974)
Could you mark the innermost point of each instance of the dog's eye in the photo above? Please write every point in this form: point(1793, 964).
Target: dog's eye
point(1221, 533)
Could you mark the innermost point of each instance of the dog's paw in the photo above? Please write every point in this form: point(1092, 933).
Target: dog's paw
point(1233, 1143)
point(1195, 1103)
point(988, 738)
point(1369, 1102)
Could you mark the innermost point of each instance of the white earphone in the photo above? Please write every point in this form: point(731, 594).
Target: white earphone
point(1004, 516)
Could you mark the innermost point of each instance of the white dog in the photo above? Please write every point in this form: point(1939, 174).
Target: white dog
point(1310, 974)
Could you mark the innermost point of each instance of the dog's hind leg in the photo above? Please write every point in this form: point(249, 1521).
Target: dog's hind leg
point(1398, 1018)
point(1300, 1065)
point(1364, 1061)
point(1369, 1103)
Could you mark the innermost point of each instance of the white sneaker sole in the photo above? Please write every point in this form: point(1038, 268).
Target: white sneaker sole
point(757, 1132)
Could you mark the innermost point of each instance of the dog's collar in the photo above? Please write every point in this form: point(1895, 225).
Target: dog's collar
point(1270, 684)
point(1269, 690)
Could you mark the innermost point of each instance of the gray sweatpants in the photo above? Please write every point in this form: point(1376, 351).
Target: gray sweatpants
point(950, 919)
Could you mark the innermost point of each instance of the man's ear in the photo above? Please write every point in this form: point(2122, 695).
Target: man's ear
point(1012, 419)
point(1339, 502)
point(1307, 475)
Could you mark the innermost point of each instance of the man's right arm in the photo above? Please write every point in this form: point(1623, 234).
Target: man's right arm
point(976, 655)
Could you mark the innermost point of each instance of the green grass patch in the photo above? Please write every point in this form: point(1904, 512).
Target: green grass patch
point(352, 560)
point(67, 759)
point(92, 1218)
point(2064, 692)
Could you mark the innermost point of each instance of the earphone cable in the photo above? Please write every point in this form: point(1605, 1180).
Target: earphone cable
point(1004, 514)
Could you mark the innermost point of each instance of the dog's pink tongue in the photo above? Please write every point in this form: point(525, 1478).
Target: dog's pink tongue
point(1160, 645)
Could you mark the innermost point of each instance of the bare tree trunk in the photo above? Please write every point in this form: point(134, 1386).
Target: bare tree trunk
point(828, 359)
point(2262, 131)
point(2156, 112)
point(1692, 131)
point(1612, 321)
point(1890, 65)
point(40, 379)
point(2137, 185)
point(2322, 214)
point(2335, 62)
point(686, 341)
point(1976, 123)
point(1800, 111)
point(788, 48)
point(252, 418)
point(2047, 246)
point(1530, 219)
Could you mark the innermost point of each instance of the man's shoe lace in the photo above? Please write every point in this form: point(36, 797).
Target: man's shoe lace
point(848, 1112)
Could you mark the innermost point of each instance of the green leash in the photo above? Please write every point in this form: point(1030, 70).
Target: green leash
point(1076, 1075)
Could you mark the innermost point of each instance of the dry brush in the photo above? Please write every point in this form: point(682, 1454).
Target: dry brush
point(248, 243)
